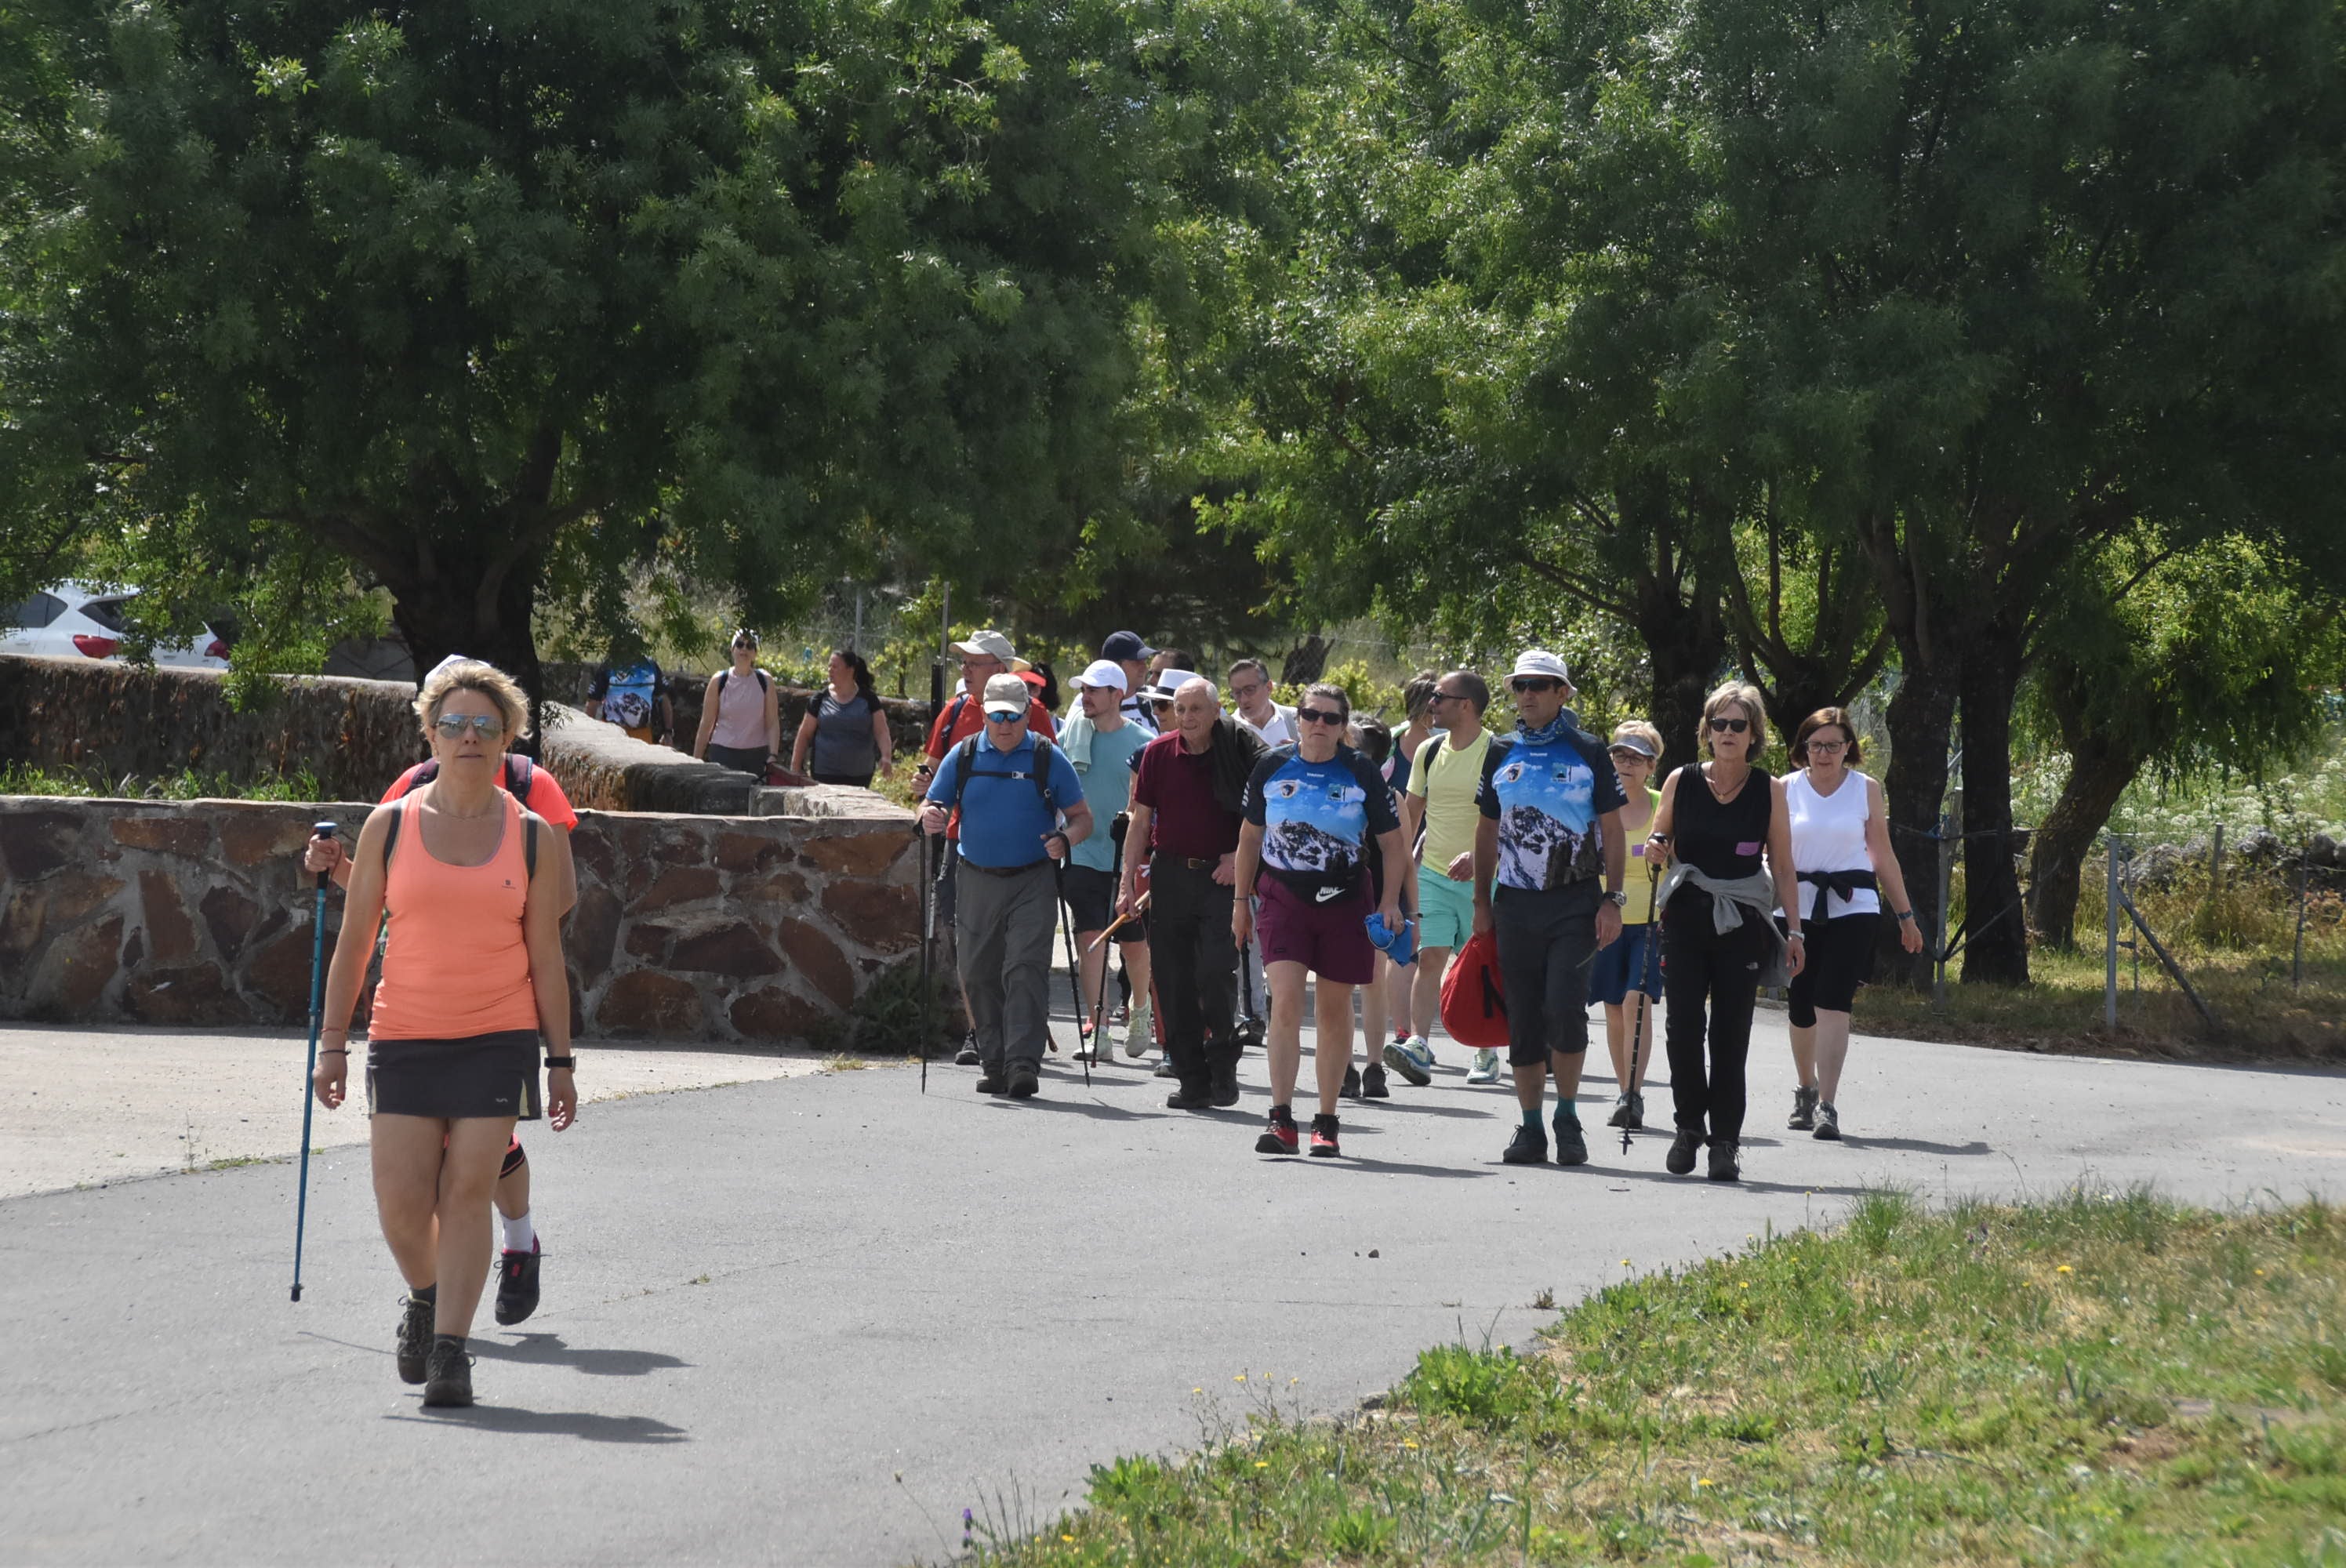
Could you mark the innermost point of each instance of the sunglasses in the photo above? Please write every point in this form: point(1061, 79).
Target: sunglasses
point(1319, 715)
point(1005, 717)
point(489, 727)
point(1732, 725)
point(1447, 697)
point(1628, 754)
point(1529, 684)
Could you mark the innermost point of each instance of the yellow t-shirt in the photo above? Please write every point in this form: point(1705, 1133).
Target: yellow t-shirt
point(1639, 910)
point(1447, 787)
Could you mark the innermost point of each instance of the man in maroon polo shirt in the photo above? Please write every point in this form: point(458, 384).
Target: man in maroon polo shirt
point(1188, 805)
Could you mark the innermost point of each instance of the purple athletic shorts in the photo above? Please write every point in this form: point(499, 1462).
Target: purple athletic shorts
point(1330, 939)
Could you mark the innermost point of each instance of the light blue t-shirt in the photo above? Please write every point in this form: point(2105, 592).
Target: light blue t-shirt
point(1003, 816)
point(1108, 786)
point(1319, 820)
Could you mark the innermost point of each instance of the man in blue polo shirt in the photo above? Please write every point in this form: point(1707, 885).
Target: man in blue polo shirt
point(1011, 791)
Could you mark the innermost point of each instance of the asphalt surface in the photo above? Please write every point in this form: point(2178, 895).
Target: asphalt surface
point(812, 1321)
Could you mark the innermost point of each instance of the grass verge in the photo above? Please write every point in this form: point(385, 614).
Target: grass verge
point(2097, 1379)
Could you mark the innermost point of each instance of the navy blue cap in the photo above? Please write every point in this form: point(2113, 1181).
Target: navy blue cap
point(1122, 646)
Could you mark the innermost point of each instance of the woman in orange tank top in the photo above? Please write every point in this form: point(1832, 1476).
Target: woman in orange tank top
point(471, 978)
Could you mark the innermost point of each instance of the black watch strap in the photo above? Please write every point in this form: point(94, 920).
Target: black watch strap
point(562, 1061)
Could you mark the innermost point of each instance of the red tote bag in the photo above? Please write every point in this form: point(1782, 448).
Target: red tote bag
point(1473, 1001)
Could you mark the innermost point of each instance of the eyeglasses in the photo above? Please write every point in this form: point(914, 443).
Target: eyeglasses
point(1732, 725)
point(1532, 684)
point(1319, 715)
point(1243, 692)
point(1826, 747)
point(487, 726)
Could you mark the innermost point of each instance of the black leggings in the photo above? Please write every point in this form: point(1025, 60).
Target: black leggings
point(1709, 975)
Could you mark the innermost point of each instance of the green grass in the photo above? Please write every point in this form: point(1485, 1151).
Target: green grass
point(188, 784)
point(2103, 1378)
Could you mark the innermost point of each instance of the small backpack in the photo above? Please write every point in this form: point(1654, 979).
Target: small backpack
point(725, 674)
point(1474, 997)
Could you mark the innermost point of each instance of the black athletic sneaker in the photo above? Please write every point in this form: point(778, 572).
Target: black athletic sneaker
point(1722, 1160)
point(1351, 1089)
point(993, 1084)
point(1571, 1148)
point(1373, 1083)
point(448, 1379)
point(1023, 1082)
point(414, 1338)
point(1529, 1148)
point(1189, 1097)
point(1804, 1110)
point(1224, 1087)
point(1279, 1134)
point(1827, 1124)
point(517, 1283)
point(967, 1055)
point(1323, 1138)
point(1680, 1161)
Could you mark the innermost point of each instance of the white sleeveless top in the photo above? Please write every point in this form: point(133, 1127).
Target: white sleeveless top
point(1828, 835)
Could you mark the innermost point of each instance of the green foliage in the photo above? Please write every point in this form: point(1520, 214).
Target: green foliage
point(895, 1015)
point(188, 784)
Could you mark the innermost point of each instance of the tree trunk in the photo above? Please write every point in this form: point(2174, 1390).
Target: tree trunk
point(444, 613)
point(1306, 662)
point(1996, 945)
point(2099, 772)
point(1921, 719)
point(1687, 644)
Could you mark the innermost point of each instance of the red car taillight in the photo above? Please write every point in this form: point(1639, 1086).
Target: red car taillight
point(95, 648)
point(216, 650)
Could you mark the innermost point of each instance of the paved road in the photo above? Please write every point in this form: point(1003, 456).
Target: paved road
point(809, 1321)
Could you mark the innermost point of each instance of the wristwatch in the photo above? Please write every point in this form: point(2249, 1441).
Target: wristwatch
point(1904, 915)
point(1619, 899)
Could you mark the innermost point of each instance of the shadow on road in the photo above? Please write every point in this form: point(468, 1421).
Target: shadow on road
point(1918, 1146)
point(581, 1424)
point(548, 1351)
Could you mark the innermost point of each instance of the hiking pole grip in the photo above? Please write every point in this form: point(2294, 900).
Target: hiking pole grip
point(310, 1067)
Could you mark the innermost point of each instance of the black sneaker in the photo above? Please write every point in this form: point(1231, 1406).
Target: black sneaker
point(1529, 1148)
point(448, 1378)
point(1224, 1087)
point(1804, 1111)
point(1373, 1083)
point(1680, 1161)
point(517, 1283)
point(1722, 1160)
point(1571, 1148)
point(1636, 1122)
point(991, 1082)
point(1827, 1124)
point(1279, 1136)
point(1023, 1082)
point(1189, 1097)
point(967, 1055)
point(1323, 1138)
point(1620, 1117)
point(414, 1338)
point(1351, 1089)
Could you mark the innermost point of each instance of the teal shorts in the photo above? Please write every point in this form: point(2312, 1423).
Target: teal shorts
point(1446, 917)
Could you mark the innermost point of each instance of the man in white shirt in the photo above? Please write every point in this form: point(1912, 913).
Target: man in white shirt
point(1250, 698)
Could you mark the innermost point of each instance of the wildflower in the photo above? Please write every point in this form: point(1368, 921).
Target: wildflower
point(1068, 1538)
point(1743, 1285)
point(1239, 1379)
point(1704, 1481)
point(1262, 1464)
point(1409, 1443)
point(2064, 1268)
point(1624, 1263)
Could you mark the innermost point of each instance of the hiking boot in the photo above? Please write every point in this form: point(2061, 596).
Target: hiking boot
point(1827, 1124)
point(1224, 1087)
point(1189, 1097)
point(1680, 1161)
point(517, 1284)
point(1138, 1036)
point(1804, 1111)
point(1571, 1148)
point(1722, 1160)
point(1323, 1138)
point(1351, 1089)
point(1373, 1083)
point(1278, 1134)
point(1485, 1069)
point(1411, 1058)
point(1165, 1068)
point(414, 1338)
point(448, 1375)
point(1023, 1081)
point(991, 1082)
point(967, 1055)
point(1529, 1148)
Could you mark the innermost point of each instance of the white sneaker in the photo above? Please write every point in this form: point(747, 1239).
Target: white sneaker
point(1410, 1057)
point(1139, 1040)
point(1485, 1069)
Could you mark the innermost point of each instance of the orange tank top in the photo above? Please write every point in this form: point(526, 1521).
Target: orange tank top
point(456, 963)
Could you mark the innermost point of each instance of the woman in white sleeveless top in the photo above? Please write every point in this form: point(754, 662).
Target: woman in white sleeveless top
point(1840, 853)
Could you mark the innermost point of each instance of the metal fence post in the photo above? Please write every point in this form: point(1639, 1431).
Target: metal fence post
point(2297, 963)
point(1946, 891)
point(2110, 936)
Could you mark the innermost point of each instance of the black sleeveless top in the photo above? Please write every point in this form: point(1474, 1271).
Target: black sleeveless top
point(1722, 842)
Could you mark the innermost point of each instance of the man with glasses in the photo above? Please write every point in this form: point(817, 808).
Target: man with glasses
point(985, 655)
point(1187, 800)
point(1550, 837)
point(1273, 722)
point(1444, 777)
point(1007, 792)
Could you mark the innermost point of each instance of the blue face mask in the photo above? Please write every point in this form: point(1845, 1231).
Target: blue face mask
point(1552, 731)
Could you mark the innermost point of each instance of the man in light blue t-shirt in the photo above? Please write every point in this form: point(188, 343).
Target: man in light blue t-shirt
point(1104, 746)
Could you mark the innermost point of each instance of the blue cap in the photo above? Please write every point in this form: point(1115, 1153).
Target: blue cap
point(1122, 646)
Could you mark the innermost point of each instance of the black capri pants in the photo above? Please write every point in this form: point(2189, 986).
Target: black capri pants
point(1840, 960)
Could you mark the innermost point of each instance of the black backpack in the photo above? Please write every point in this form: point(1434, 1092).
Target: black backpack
point(725, 674)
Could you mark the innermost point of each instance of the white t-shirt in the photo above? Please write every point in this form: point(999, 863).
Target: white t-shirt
point(1828, 835)
point(1279, 729)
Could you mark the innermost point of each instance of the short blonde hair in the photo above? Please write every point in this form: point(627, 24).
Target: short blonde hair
point(472, 675)
point(1735, 694)
point(1643, 732)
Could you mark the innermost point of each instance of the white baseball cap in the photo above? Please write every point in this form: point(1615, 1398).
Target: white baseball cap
point(1539, 663)
point(1103, 672)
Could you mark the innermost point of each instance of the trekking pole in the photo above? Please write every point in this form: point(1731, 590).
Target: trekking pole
point(1645, 997)
point(1086, 1050)
point(928, 943)
point(310, 1073)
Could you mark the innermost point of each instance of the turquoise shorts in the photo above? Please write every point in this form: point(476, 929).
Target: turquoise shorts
point(1446, 917)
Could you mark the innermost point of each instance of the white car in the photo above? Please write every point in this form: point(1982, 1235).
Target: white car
point(84, 620)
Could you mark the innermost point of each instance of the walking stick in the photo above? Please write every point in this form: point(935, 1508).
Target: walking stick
point(1074, 976)
point(1114, 881)
point(1653, 957)
point(310, 1073)
point(928, 943)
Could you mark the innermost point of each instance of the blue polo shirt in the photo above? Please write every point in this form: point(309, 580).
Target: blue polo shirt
point(1003, 816)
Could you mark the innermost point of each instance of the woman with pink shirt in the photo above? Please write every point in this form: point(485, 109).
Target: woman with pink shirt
point(472, 980)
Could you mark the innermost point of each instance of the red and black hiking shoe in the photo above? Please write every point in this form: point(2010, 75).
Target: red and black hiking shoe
point(1279, 1136)
point(1323, 1138)
point(517, 1283)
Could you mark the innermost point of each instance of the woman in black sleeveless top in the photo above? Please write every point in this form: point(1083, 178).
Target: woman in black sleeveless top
point(1718, 819)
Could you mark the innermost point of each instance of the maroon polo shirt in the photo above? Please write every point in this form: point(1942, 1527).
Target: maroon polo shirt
point(1177, 785)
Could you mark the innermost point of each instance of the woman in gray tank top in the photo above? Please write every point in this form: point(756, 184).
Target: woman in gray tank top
point(845, 728)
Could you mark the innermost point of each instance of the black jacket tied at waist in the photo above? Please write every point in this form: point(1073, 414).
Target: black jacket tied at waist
point(1843, 883)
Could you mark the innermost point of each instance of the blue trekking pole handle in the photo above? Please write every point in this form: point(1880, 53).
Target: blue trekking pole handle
point(310, 1071)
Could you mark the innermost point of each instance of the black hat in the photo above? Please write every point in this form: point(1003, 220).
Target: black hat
point(1122, 646)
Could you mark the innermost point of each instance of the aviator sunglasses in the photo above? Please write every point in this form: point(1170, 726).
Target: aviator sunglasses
point(487, 726)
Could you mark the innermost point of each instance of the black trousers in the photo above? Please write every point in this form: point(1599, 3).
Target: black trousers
point(1195, 964)
point(1710, 977)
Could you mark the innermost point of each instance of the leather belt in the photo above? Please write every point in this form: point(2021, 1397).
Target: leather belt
point(1191, 862)
point(1005, 870)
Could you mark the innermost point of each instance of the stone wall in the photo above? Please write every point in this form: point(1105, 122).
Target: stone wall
point(688, 928)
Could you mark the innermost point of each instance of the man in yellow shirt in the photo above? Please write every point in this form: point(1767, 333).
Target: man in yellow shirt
point(1443, 779)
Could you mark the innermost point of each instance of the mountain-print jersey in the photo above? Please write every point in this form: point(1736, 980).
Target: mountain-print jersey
point(1318, 817)
point(1547, 799)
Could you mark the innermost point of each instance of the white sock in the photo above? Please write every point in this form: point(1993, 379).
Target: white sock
point(521, 1236)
